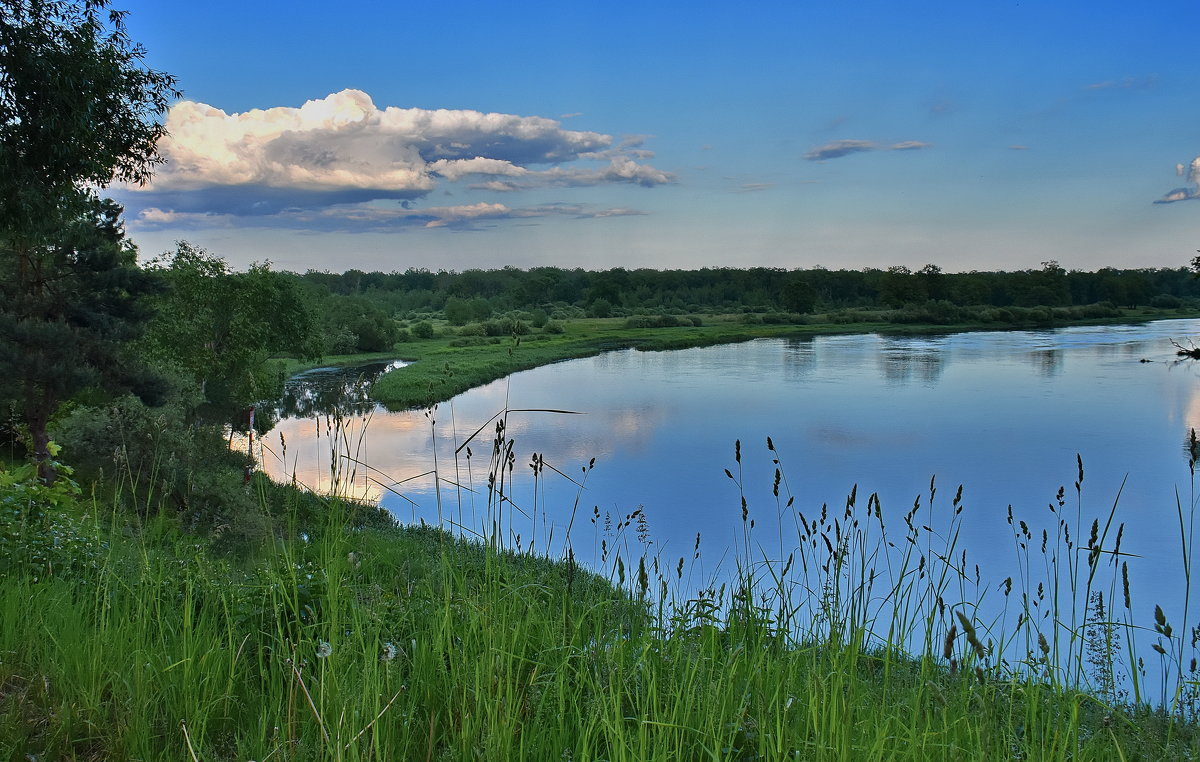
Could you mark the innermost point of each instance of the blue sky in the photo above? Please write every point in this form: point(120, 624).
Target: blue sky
point(454, 135)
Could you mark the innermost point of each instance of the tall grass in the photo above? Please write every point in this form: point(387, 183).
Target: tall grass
point(858, 637)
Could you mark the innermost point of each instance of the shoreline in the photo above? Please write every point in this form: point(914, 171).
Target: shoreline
point(445, 366)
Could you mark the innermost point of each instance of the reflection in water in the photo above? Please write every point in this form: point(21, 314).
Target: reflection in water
point(903, 359)
point(323, 391)
point(1003, 414)
point(1048, 362)
point(349, 445)
point(800, 356)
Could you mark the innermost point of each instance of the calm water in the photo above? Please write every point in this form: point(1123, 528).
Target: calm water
point(1004, 414)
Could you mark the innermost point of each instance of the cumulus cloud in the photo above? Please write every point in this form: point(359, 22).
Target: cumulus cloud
point(343, 149)
point(1189, 193)
point(840, 148)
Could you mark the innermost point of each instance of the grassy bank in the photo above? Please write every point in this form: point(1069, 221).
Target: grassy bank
point(344, 639)
point(449, 364)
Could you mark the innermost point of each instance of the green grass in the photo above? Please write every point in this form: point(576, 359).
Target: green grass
point(340, 639)
point(448, 365)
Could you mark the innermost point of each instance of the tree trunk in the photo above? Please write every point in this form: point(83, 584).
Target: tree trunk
point(37, 416)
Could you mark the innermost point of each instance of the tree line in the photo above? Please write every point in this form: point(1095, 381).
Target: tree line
point(476, 295)
point(93, 339)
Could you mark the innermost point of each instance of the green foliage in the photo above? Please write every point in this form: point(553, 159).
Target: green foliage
point(152, 461)
point(423, 330)
point(218, 327)
point(365, 641)
point(41, 531)
point(600, 308)
point(355, 324)
point(472, 295)
point(657, 321)
point(799, 296)
point(68, 310)
point(78, 109)
point(459, 311)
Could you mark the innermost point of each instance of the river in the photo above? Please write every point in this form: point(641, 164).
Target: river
point(1004, 414)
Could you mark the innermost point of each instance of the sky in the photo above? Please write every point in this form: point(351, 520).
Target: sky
point(455, 135)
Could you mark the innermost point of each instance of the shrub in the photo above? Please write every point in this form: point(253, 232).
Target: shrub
point(423, 330)
point(1166, 302)
point(39, 532)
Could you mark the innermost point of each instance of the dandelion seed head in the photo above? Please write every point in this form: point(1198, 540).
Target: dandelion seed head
point(324, 649)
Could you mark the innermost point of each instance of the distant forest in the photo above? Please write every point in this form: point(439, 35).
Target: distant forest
point(362, 306)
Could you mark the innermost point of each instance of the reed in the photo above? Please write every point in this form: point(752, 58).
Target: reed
point(843, 633)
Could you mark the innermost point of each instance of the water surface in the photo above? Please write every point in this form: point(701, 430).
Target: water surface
point(1002, 413)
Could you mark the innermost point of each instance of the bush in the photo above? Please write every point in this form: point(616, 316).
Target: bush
point(505, 327)
point(473, 329)
point(553, 326)
point(1166, 302)
point(40, 532)
point(567, 312)
point(423, 330)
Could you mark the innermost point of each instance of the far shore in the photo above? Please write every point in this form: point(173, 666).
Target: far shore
point(447, 365)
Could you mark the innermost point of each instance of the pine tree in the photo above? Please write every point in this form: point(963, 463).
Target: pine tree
point(78, 110)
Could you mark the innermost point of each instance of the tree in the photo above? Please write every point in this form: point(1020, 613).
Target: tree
point(900, 287)
point(799, 296)
point(220, 327)
point(78, 110)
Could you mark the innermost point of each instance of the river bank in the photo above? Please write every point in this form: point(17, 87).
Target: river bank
point(449, 364)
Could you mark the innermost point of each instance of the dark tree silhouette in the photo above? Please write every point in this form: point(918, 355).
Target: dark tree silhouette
point(78, 110)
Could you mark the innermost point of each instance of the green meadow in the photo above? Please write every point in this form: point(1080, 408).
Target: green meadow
point(337, 635)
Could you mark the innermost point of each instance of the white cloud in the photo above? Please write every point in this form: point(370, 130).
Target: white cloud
point(344, 149)
point(153, 218)
point(1192, 174)
point(456, 169)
